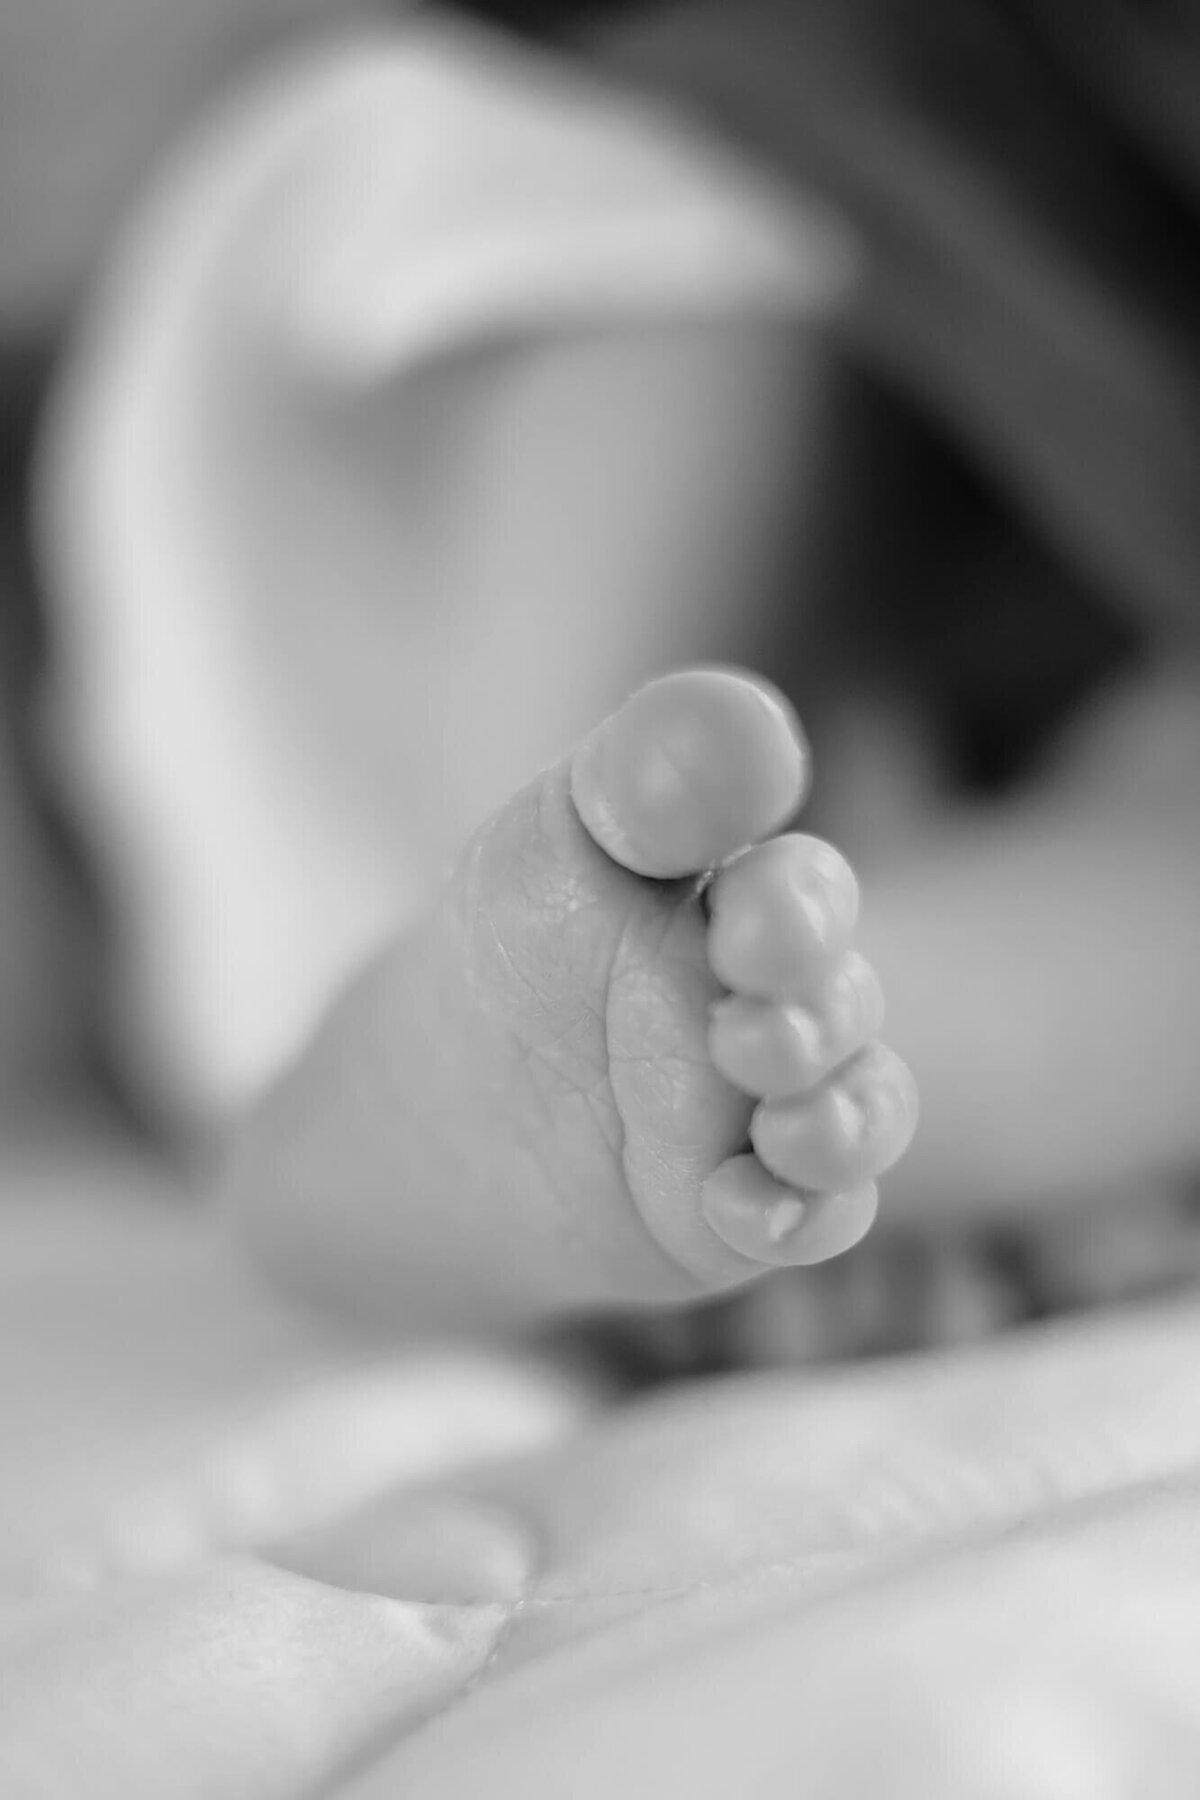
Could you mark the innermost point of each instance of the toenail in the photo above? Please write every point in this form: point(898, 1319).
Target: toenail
point(692, 768)
point(854, 1003)
point(784, 1218)
point(767, 1049)
point(851, 1129)
point(827, 887)
point(853, 1116)
point(775, 1226)
point(752, 1212)
point(817, 914)
point(805, 1030)
point(883, 1086)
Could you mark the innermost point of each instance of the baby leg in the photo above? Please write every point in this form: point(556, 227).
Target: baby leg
point(590, 1077)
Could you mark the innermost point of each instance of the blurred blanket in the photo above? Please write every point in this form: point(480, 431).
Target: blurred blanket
point(1024, 177)
point(262, 498)
point(985, 1563)
point(160, 1406)
point(991, 205)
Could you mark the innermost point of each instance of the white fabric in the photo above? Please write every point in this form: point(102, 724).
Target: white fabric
point(349, 219)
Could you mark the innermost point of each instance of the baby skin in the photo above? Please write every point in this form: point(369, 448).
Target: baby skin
point(630, 1058)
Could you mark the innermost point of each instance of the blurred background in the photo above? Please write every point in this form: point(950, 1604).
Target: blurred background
point(385, 391)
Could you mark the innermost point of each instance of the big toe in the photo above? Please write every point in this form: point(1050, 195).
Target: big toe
point(693, 768)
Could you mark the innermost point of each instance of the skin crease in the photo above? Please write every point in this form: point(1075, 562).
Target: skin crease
point(671, 1728)
point(549, 1163)
point(1096, 866)
point(1029, 899)
point(1148, 1114)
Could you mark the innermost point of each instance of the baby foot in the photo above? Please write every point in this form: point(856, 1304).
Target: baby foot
point(627, 1059)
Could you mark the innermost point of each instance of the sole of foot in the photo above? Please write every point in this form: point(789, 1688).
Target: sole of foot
point(631, 1058)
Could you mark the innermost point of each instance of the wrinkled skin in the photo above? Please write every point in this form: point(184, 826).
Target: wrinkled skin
point(845, 1587)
